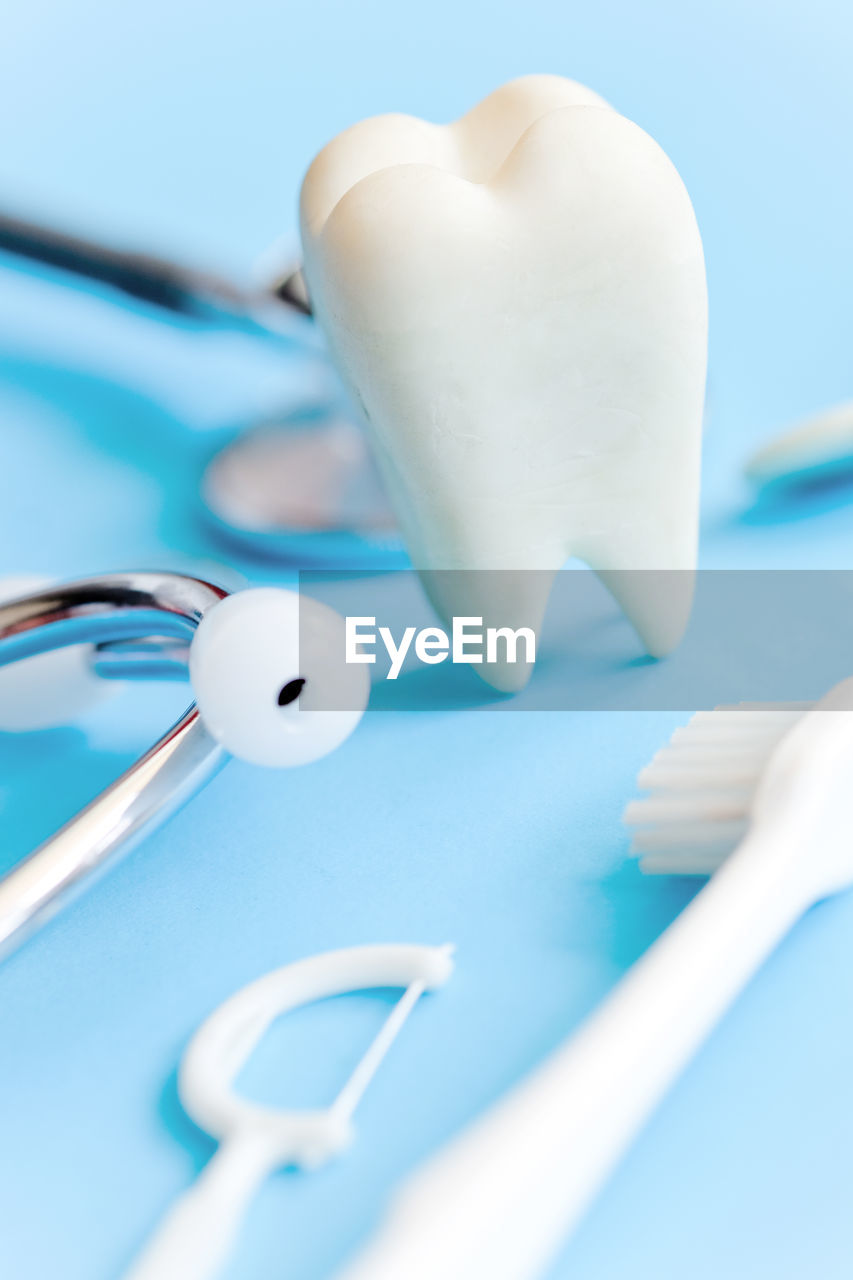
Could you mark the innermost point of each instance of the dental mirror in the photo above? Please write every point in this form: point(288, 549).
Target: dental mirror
point(305, 488)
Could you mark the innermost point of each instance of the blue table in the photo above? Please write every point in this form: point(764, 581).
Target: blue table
point(185, 129)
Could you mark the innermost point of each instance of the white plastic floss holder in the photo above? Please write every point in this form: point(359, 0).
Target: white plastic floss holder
point(196, 1236)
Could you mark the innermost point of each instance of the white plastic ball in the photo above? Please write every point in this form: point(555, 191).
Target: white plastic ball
point(48, 690)
point(269, 674)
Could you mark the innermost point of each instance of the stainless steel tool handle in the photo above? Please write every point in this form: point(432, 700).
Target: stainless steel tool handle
point(102, 611)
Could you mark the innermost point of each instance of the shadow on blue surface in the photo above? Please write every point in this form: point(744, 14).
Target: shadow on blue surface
point(805, 499)
point(198, 1145)
point(126, 425)
point(642, 907)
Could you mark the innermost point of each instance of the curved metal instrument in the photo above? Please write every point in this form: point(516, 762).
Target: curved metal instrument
point(114, 613)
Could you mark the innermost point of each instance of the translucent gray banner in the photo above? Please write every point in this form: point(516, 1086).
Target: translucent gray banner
point(752, 635)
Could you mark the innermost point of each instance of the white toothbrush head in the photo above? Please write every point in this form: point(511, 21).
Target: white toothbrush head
point(702, 786)
point(778, 772)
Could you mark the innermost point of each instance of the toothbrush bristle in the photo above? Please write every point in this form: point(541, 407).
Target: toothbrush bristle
point(702, 784)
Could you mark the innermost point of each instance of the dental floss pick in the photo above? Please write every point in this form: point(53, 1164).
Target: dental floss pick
point(199, 1231)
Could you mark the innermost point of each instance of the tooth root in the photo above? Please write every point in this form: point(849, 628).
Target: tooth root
point(657, 603)
point(518, 303)
point(503, 598)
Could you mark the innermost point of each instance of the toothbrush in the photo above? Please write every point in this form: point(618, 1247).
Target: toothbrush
point(769, 784)
point(819, 446)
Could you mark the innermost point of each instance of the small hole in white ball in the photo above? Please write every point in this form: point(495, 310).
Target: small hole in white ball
point(290, 692)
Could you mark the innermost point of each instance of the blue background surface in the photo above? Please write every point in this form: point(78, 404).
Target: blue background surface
point(185, 129)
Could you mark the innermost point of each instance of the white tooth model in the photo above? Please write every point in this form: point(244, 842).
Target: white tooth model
point(517, 301)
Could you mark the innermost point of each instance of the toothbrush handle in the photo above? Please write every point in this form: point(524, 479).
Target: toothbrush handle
point(196, 1236)
point(498, 1200)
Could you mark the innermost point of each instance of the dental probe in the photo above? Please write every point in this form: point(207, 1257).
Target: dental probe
point(174, 287)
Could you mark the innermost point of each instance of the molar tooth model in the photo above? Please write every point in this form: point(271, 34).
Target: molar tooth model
point(517, 301)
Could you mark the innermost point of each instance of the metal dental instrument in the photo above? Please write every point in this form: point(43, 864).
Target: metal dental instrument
point(102, 611)
point(301, 487)
point(251, 654)
point(174, 287)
